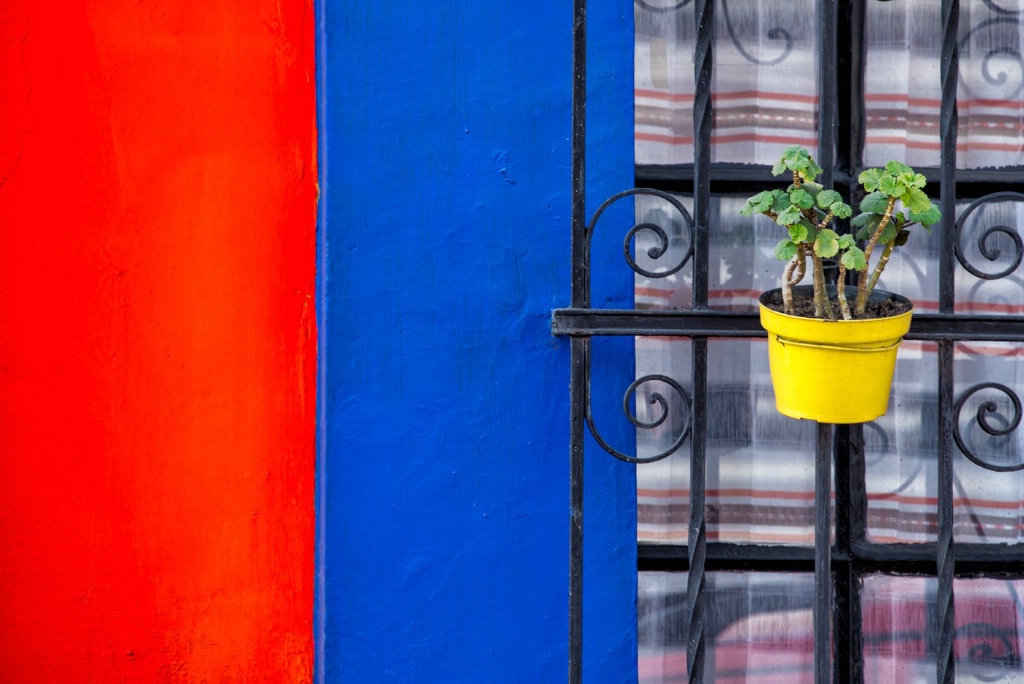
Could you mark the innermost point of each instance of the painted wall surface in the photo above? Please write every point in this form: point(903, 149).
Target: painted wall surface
point(157, 341)
point(443, 481)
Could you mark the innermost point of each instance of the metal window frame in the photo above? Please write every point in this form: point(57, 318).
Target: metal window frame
point(837, 567)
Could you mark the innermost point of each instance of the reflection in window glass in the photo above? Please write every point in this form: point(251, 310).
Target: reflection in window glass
point(764, 80)
point(903, 84)
point(759, 628)
point(900, 632)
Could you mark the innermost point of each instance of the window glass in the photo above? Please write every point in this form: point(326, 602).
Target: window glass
point(899, 629)
point(759, 628)
point(903, 84)
point(765, 80)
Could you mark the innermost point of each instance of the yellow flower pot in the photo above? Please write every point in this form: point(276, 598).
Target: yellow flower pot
point(833, 371)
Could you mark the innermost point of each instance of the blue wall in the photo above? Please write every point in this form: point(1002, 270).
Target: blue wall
point(443, 477)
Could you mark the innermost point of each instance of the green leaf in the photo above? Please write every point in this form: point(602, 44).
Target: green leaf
point(812, 188)
point(853, 259)
point(826, 244)
point(789, 216)
point(758, 204)
point(846, 241)
point(798, 232)
point(780, 167)
point(841, 210)
point(896, 168)
point(888, 185)
point(927, 218)
point(826, 198)
point(875, 203)
point(801, 198)
point(785, 250)
point(781, 200)
point(901, 238)
point(868, 221)
point(869, 179)
point(888, 233)
point(918, 181)
point(916, 201)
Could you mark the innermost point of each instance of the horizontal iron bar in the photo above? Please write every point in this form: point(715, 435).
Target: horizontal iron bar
point(971, 559)
point(761, 173)
point(687, 323)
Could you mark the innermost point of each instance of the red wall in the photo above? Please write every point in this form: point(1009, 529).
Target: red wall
point(157, 340)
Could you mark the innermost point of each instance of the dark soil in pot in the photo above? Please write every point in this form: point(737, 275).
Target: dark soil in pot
point(804, 305)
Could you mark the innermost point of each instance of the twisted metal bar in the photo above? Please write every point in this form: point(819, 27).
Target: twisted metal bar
point(704, 15)
point(988, 407)
point(945, 668)
point(988, 252)
point(696, 580)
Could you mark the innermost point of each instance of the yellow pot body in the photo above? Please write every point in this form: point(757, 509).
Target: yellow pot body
point(833, 371)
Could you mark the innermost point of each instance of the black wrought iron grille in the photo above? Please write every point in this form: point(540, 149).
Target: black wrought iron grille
point(840, 562)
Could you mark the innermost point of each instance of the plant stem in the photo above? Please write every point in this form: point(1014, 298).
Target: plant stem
point(862, 282)
point(822, 307)
point(878, 271)
point(844, 306)
point(793, 274)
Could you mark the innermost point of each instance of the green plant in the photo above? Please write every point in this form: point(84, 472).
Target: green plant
point(895, 202)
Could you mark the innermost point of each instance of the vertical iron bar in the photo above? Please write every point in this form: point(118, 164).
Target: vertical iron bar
point(850, 514)
point(948, 129)
point(703, 113)
point(823, 445)
point(579, 347)
point(704, 14)
point(823, 555)
point(827, 89)
point(697, 542)
point(945, 666)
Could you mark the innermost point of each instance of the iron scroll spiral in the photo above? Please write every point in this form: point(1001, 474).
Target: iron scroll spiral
point(657, 251)
point(988, 252)
point(996, 8)
point(656, 398)
point(1004, 18)
point(662, 10)
point(776, 33)
point(986, 408)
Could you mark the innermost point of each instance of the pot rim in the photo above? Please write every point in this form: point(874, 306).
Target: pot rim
point(876, 296)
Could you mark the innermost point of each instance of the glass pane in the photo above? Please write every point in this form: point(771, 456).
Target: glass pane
point(663, 487)
point(764, 80)
point(900, 447)
point(900, 629)
point(900, 451)
point(988, 280)
point(760, 475)
point(742, 261)
point(903, 83)
point(989, 506)
point(759, 628)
